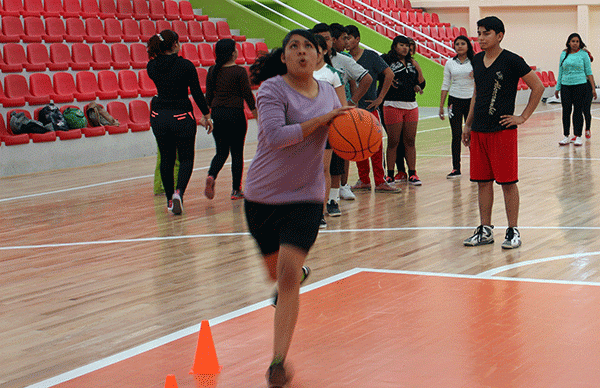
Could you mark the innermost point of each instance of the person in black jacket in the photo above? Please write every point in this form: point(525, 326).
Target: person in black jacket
point(171, 113)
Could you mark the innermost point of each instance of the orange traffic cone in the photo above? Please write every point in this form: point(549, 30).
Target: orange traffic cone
point(171, 382)
point(205, 361)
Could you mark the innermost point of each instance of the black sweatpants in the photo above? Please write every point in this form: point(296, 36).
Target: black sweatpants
point(572, 99)
point(458, 110)
point(230, 127)
point(175, 132)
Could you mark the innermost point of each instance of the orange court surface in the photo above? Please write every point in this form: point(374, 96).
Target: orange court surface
point(101, 288)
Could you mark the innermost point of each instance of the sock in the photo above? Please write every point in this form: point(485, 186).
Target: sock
point(391, 173)
point(412, 172)
point(334, 194)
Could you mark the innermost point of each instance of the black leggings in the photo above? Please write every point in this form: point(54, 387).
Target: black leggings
point(573, 99)
point(175, 133)
point(230, 127)
point(458, 110)
point(587, 106)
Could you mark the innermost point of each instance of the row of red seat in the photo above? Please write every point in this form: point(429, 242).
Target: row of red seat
point(35, 30)
point(411, 18)
point(122, 9)
point(386, 5)
point(136, 119)
point(102, 57)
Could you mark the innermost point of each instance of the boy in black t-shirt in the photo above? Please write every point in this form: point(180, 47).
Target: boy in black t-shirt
point(491, 128)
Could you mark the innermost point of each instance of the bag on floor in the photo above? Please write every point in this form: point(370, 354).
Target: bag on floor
point(98, 116)
point(75, 118)
point(52, 118)
point(19, 124)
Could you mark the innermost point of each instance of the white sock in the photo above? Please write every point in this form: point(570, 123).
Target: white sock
point(334, 194)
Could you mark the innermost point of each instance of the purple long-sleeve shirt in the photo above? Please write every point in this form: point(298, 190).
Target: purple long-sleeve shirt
point(287, 167)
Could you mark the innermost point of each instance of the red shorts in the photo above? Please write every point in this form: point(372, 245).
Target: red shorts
point(394, 115)
point(494, 157)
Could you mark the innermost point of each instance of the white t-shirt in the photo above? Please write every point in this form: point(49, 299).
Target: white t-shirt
point(328, 75)
point(458, 78)
point(348, 68)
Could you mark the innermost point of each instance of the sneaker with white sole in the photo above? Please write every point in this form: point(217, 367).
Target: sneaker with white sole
point(361, 186)
point(346, 193)
point(512, 239)
point(588, 134)
point(573, 139)
point(322, 223)
point(387, 188)
point(414, 180)
point(177, 203)
point(333, 209)
point(483, 235)
point(565, 141)
point(578, 141)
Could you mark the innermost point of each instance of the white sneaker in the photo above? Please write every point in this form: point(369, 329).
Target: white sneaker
point(565, 141)
point(483, 235)
point(346, 193)
point(177, 203)
point(578, 141)
point(512, 239)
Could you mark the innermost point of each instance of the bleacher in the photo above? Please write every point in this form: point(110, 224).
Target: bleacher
point(73, 52)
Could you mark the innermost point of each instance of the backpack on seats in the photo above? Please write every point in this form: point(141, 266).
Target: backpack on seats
point(75, 118)
point(52, 119)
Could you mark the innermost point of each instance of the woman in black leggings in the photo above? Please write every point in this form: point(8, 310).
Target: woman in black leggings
point(227, 87)
point(171, 117)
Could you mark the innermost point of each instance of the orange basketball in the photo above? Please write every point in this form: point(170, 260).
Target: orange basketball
point(355, 135)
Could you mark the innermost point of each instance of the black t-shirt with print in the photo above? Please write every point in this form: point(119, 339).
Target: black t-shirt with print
point(496, 89)
point(406, 77)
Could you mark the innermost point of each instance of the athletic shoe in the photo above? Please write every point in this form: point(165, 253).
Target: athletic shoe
point(361, 186)
point(386, 188)
point(573, 139)
point(237, 194)
point(346, 193)
point(588, 134)
point(322, 223)
point(565, 141)
point(483, 235)
point(512, 239)
point(170, 206)
point(414, 180)
point(276, 376)
point(401, 176)
point(209, 190)
point(578, 141)
point(389, 179)
point(453, 174)
point(305, 274)
point(333, 209)
point(177, 203)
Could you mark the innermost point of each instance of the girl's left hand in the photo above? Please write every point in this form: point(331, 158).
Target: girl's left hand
point(594, 94)
point(418, 89)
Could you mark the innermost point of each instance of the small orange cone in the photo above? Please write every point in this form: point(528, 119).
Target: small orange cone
point(205, 361)
point(171, 382)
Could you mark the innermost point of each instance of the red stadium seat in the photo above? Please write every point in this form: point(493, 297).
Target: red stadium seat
point(12, 8)
point(64, 85)
point(87, 86)
point(55, 30)
point(241, 59)
point(60, 57)
point(115, 110)
point(37, 57)
point(146, 85)
point(209, 31)
point(121, 58)
point(162, 25)
point(53, 8)
point(249, 52)
point(34, 30)
point(252, 86)
point(14, 58)
point(72, 9)
point(157, 9)
point(202, 73)
point(131, 30)
point(140, 9)
point(113, 31)
point(8, 138)
point(107, 85)
point(551, 78)
point(124, 9)
point(12, 29)
point(101, 57)
point(75, 30)
point(81, 56)
point(171, 10)
point(186, 12)
point(180, 27)
point(139, 56)
point(139, 113)
point(32, 8)
point(147, 30)
point(40, 86)
point(195, 31)
point(128, 84)
point(17, 88)
point(94, 30)
point(89, 9)
point(261, 48)
point(107, 9)
point(190, 52)
point(223, 32)
point(206, 54)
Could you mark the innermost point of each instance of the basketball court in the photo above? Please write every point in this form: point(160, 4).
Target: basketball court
point(102, 288)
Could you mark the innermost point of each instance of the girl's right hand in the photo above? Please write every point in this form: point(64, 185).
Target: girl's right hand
point(442, 113)
point(336, 112)
point(556, 93)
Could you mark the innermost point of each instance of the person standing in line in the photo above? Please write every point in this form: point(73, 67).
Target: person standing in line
point(491, 129)
point(574, 72)
point(227, 87)
point(171, 114)
point(376, 66)
point(458, 85)
point(285, 186)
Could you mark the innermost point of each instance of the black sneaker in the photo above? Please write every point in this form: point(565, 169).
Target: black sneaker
point(333, 209)
point(305, 274)
point(483, 235)
point(276, 376)
point(453, 174)
point(322, 223)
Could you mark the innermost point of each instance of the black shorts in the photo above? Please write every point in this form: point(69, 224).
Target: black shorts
point(295, 224)
point(337, 165)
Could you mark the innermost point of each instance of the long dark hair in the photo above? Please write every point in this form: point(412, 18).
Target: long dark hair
point(470, 51)
point(160, 43)
point(270, 65)
point(568, 50)
point(322, 45)
point(224, 49)
point(393, 55)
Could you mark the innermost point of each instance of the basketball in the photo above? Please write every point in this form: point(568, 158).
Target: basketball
point(355, 135)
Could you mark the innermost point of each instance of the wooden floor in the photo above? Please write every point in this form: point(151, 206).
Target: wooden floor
point(91, 264)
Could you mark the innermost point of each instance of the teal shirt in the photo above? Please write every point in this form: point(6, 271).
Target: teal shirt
point(574, 69)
